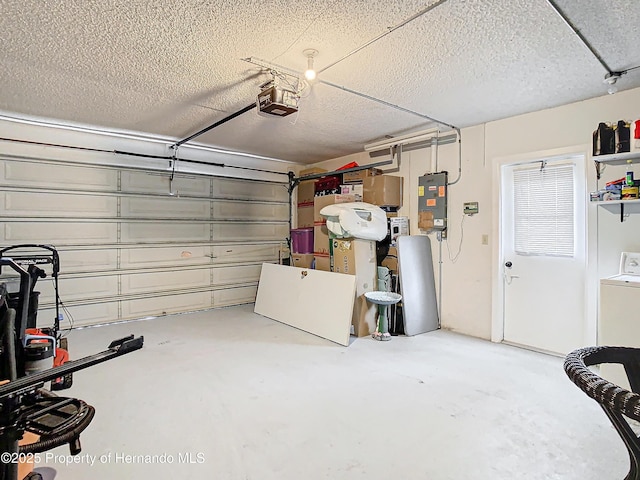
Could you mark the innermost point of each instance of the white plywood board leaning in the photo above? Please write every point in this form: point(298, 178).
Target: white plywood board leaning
point(317, 302)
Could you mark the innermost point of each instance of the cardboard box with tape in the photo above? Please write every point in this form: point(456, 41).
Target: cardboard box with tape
point(305, 217)
point(360, 175)
point(321, 240)
point(358, 257)
point(302, 260)
point(383, 190)
point(306, 192)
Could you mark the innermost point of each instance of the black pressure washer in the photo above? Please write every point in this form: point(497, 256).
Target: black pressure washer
point(25, 406)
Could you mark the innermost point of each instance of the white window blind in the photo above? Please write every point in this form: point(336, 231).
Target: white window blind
point(544, 210)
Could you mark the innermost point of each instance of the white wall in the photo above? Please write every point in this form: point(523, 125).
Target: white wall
point(469, 285)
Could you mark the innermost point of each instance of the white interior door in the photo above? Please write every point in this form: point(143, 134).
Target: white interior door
point(543, 253)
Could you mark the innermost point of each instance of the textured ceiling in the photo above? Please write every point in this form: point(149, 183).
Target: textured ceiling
point(172, 67)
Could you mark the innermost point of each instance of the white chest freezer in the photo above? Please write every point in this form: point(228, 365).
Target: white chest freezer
point(619, 319)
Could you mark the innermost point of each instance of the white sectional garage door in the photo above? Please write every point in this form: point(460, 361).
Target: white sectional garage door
point(129, 249)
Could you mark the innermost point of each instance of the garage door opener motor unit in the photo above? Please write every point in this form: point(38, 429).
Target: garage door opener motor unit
point(277, 100)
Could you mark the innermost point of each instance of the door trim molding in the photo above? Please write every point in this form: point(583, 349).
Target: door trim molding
point(497, 301)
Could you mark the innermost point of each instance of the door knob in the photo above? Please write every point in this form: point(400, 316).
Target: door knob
point(508, 264)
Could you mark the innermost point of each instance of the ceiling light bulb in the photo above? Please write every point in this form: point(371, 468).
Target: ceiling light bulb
point(310, 73)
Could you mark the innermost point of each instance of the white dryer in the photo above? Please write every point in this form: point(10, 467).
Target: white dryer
point(619, 319)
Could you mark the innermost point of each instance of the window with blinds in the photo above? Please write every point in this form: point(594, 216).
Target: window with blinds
point(544, 210)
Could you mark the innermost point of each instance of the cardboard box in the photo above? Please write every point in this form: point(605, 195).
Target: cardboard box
point(306, 191)
point(355, 256)
point(358, 257)
point(302, 260)
point(391, 260)
point(320, 202)
point(321, 240)
point(323, 262)
point(305, 217)
point(425, 220)
point(383, 190)
point(365, 317)
point(311, 171)
point(360, 175)
point(352, 189)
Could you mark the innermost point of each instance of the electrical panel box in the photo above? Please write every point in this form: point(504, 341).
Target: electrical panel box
point(432, 201)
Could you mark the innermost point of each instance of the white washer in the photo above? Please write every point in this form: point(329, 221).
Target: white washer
point(619, 320)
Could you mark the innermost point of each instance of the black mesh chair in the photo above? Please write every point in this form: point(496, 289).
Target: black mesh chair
point(619, 404)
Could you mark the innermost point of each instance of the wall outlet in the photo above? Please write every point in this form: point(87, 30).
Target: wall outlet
point(485, 239)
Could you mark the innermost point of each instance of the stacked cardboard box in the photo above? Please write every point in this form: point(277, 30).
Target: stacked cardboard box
point(360, 175)
point(302, 260)
point(323, 263)
point(391, 260)
point(306, 191)
point(358, 257)
point(383, 190)
point(352, 189)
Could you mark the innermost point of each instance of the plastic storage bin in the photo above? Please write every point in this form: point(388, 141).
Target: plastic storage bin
point(302, 240)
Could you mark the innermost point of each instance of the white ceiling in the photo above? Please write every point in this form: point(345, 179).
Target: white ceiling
point(172, 67)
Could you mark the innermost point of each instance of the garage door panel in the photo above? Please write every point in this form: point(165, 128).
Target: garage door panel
point(244, 253)
point(128, 249)
point(87, 260)
point(142, 182)
point(234, 296)
point(60, 233)
point(242, 189)
point(254, 231)
point(240, 274)
point(162, 281)
point(37, 204)
point(165, 208)
point(81, 315)
point(79, 288)
point(165, 256)
point(45, 175)
point(165, 232)
point(165, 305)
point(226, 210)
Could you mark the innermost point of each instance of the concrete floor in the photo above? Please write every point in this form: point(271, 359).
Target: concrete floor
point(252, 399)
